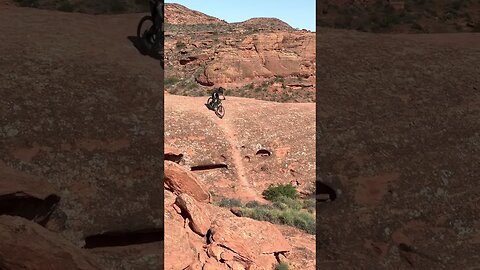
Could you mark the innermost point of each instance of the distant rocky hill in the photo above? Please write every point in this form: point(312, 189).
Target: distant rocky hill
point(178, 14)
point(266, 23)
point(261, 58)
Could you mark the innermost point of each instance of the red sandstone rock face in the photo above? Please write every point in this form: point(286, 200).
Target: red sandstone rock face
point(179, 180)
point(260, 58)
point(256, 243)
point(179, 254)
point(27, 196)
point(198, 220)
point(16, 182)
point(232, 242)
point(26, 245)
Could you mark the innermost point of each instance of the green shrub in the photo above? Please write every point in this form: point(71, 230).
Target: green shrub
point(456, 5)
point(279, 79)
point(188, 84)
point(28, 3)
point(280, 205)
point(66, 7)
point(229, 202)
point(417, 26)
point(117, 6)
point(171, 81)
point(296, 218)
point(282, 266)
point(274, 192)
point(309, 205)
point(253, 204)
point(283, 210)
point(180, 45)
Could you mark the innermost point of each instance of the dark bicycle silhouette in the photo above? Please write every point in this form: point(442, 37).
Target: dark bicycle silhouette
point(148, 34)
point(216, 106)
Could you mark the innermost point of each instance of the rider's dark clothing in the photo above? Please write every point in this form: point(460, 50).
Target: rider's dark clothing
point(156, 9)
point(216, 94)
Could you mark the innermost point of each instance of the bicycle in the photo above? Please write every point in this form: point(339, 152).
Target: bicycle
point(216, 106)
point(148, 34)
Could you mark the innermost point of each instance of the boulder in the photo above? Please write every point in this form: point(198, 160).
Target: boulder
point(179, 254)
point(24, 195)
point(198, 219)
point(27, 245)
point(179, 180)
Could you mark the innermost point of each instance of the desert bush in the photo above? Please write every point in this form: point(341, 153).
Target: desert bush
point(275, 192)
point(291, 217)
point(279, 79)
point(282, 266)
point(171, 81)
point(253, 204)
point(118, 6)
point(28, 3)
point(284, 210)
point(180, 45)
point(309, 205)
point(417, 26)
point(289, 202)
point(188, 84)
point(456, 5)
point(229, 202)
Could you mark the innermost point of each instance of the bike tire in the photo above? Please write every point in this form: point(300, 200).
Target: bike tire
point(220, 111)
point(147, 43)
point(209, 103)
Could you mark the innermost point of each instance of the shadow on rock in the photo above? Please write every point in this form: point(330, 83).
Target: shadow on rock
point(144, 50)
point(325, 192)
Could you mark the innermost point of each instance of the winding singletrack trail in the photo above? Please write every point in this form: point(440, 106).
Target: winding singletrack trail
point(243, 190)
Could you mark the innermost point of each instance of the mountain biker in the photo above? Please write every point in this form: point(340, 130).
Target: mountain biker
point(216, 95)
point(156, 9)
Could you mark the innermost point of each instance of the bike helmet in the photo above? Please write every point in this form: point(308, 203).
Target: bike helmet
point(221, 89)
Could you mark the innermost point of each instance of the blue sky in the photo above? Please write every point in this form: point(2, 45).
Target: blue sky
point(297, 13)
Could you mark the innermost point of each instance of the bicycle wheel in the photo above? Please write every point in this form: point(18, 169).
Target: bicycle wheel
point(220, 111)
point(144, 30)
point(209, 103)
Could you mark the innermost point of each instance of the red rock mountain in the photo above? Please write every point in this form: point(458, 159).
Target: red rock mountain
point(261, 58)
point(178, 14)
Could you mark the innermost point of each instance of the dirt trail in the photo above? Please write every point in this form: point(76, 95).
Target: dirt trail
point(243, 190)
